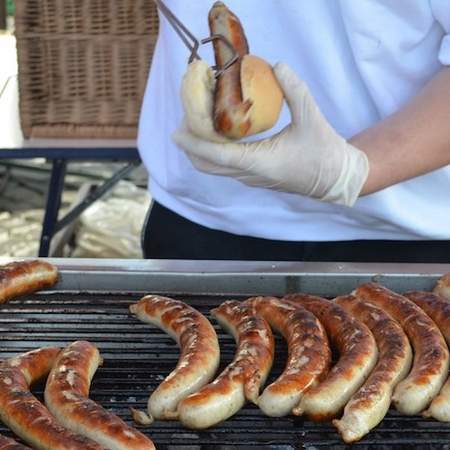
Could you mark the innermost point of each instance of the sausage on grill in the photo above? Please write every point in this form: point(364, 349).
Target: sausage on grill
point(242, 379)
point(66, 396)
point(25, 277)
point(439, 311)
point(435, 307)
point(357, 356)
point(199, 346)
point(367, 408)
point(21, 411)
point(11, 444)
point(431, 358)
point(309, 354)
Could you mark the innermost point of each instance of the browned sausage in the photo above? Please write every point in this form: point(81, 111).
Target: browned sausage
point(25, 277)
point(11, 444)
point(199, 346)
point(230, 110)
point(431, 358)
point(309, 354)
point(367, 408)
point(439, 311)
point(357, 357)
point(242, 379)
point(66, 396)
point(435, 307)
point(24, 414)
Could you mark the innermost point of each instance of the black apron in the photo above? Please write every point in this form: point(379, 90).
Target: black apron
point(166, 235)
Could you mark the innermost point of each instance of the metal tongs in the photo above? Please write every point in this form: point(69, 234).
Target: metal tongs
point(192, 43)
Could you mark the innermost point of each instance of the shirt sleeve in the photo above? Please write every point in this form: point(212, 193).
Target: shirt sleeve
point(441, 12)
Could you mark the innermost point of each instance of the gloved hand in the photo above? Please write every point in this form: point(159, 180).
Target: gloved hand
point(307, 157)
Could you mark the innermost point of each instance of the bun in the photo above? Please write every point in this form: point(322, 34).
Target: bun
point(197, 96)
point(260, 90)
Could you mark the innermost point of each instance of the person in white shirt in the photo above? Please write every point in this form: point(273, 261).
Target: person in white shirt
point(355, 170)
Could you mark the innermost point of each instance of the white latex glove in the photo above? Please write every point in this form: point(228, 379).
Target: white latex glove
point(307, 157)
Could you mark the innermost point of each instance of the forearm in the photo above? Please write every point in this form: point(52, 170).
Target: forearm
point(411, 142)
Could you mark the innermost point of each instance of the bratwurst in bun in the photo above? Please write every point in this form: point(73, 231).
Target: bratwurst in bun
point(244, 100)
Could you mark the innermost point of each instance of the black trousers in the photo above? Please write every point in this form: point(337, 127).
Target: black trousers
point(166, 235)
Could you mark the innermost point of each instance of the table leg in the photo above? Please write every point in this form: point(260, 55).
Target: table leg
point(2, 14)
point(5, 180)
point(94, 195)
point(54, 194)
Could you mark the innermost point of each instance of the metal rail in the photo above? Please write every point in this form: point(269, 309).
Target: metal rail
point(238, 277)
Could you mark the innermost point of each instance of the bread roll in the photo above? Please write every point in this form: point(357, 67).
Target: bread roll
point(259, 86)
point(197, 95)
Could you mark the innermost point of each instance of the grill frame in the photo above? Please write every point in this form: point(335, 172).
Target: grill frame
point(237, 277)
point(90, 302)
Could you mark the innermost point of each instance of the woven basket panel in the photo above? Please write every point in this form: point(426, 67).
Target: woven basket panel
point(83, 65)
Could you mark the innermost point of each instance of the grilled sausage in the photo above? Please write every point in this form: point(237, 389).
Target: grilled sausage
point(442, 287)
point(11, 444)
point(25, 277)
point(200, 351)
point(24, 414)
point(439, 311)
point(309, 354)
point(431, 358)
point(367, 408)
point(242, 379)
point(230, 110)
point(435, 307)
point(357, 357)
point(66, 396)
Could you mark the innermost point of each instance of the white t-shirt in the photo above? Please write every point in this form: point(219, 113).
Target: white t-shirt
point(362, 59)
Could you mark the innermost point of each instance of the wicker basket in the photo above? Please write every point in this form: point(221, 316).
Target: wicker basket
point(83, 65)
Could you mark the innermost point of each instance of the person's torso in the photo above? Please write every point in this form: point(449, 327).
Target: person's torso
point(362, 59)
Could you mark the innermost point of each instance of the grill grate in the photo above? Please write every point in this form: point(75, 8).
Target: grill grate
point(137, 357)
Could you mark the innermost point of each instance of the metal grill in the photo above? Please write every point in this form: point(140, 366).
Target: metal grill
point(137, 357)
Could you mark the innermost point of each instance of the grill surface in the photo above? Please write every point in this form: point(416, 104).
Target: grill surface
point(137, 357)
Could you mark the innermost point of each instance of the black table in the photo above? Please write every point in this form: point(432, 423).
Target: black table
point(60, 157)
